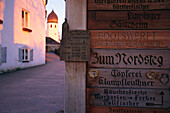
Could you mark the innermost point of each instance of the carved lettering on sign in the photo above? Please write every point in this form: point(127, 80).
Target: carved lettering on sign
point(130, 39)
point(127, 60)
point(128, 97)
point(75, 45)
point(128, 4)
point(109, 109)
point(130, 78)
point(130, 43)
point(128, 20)
point(129, 88)
point(130, 58)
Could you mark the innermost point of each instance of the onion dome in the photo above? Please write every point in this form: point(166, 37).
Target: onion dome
point(52, 18)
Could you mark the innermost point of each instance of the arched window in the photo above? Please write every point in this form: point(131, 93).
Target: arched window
point(51, 26)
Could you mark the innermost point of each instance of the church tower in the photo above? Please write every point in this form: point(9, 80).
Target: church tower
point(52, 26)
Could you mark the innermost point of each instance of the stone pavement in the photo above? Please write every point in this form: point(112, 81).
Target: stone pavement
point(34, 90)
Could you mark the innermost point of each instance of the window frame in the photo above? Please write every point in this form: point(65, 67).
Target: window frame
point(25, 20)
point(25, 54)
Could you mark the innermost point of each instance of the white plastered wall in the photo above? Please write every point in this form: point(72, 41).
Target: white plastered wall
point(2, 6)
point(13, 37)
point(53, 32)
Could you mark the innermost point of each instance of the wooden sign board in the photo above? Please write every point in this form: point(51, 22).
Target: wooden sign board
point(128, 4)
point(129, 20)
point(108, 109)
point(128, 78)
point(128, 88)
point(128, 71)
point(76, 47)
point(126, 58)
point(148, 98)
point(115, 39)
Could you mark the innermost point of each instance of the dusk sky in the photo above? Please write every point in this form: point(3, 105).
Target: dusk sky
point(59, 8)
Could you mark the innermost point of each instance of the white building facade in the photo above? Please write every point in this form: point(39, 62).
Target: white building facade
point(22, 33)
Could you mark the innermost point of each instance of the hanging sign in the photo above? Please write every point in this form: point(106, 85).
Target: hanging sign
point(75, 45)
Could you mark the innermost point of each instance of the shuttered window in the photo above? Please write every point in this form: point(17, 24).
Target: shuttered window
point(25, 55)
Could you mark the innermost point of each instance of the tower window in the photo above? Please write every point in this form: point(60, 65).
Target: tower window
point(55, 26)
point(51, 26)
point(25, 18)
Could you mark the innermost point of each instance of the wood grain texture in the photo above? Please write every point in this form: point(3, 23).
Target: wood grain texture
point(105, 109)
point(75, 49)
point(128, 4)
point(130, 58)
point(129, 20)
point(115, 39)
point(148, 98)
point(75, 87)
point(129, 78)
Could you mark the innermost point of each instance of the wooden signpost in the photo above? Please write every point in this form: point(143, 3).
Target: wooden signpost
point(128, 4)
point(138, 58)
point(75, 46)
point(129, 20)
point(129, 68)
point(119, 39)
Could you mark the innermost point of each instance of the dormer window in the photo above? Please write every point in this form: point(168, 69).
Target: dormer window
point(26, 21)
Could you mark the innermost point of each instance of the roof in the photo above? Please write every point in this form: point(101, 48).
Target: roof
point(49, 40)
point(52, 18)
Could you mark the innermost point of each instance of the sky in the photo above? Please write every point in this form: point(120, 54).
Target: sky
point(59, 8)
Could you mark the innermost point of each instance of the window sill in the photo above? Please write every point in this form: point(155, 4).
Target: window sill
point(25, 61)
point(1, 21)
point(26, 29)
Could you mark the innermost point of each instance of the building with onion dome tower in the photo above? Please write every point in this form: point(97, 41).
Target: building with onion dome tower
point(52, 26)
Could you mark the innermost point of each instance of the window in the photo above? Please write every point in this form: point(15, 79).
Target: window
point(25, 55)
point(1, 21)
point(26, 21)
point(51, 26)
point(55, 26)
point(25, 18)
